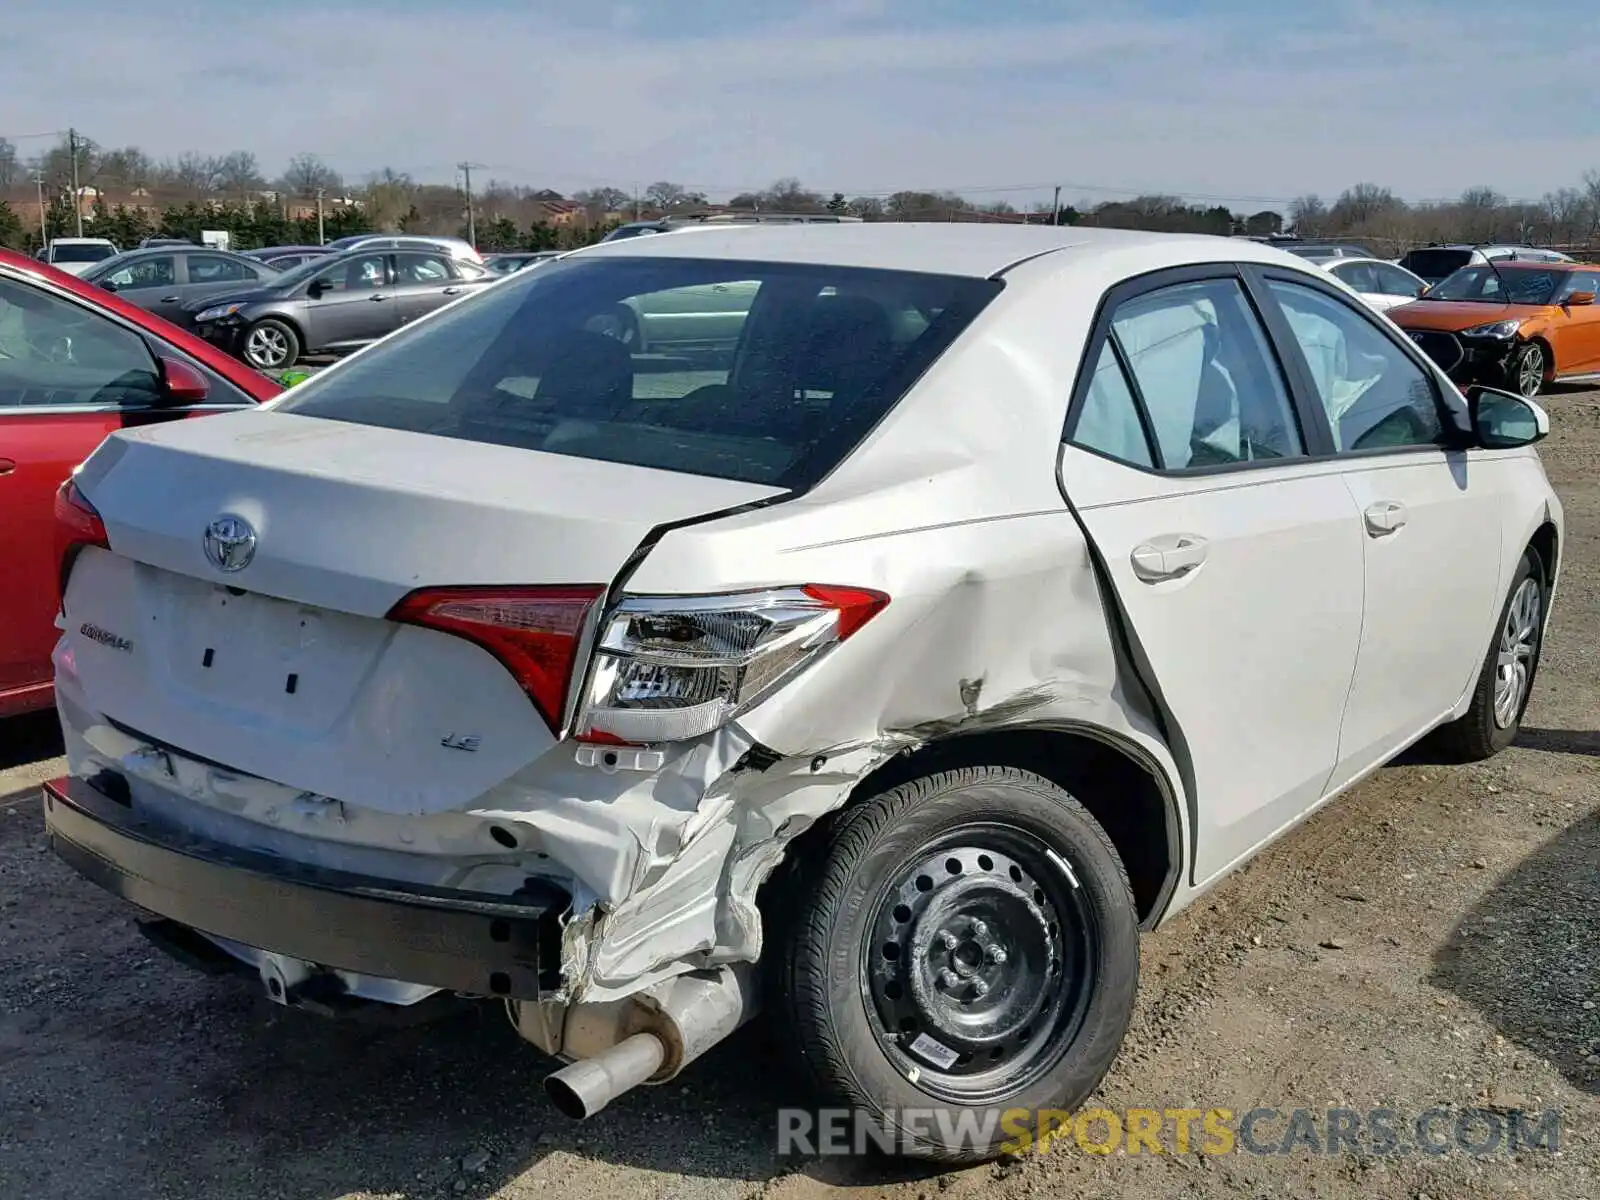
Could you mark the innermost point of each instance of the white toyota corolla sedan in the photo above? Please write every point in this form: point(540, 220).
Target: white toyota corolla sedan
point(977, 599)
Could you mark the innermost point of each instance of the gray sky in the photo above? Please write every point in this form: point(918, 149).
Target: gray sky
point(1248, 101)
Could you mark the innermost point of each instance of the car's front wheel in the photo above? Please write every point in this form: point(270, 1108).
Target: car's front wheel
point(966, 946)
point(271, 345)
point(1505, 682)
point(1526, 369)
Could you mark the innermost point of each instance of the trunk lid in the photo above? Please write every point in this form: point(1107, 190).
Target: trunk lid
point(286, 668)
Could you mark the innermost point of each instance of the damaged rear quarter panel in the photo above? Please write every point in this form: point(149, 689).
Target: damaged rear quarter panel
point(952, 507)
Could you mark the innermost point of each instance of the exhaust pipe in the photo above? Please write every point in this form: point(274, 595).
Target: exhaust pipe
point(587, 1086)
point(647, 1038)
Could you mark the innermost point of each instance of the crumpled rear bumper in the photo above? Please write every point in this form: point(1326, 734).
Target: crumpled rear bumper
point(461, 941)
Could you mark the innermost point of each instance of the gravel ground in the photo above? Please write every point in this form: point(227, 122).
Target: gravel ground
point(1426, 940)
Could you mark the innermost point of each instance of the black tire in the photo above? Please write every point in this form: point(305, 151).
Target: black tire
point(1482, 732)
point(1525, 371)
point(280, 336)
point(1077, 977)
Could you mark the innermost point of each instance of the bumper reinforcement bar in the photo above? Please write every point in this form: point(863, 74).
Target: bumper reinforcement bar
point(440, 937)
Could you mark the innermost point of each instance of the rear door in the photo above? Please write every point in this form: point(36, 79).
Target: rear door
point(424, 281)
point(1235, 557)
point(357, 307)
point(1429, 519)
point(154, 283)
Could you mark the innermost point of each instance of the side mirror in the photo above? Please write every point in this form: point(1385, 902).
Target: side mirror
point(1505, 420)
point(1424, 290)
point(181, 384)
point(318, 289)
point(1581, 298)
point(108, 285)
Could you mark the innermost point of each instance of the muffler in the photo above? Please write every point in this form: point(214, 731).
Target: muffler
point(647, 1038)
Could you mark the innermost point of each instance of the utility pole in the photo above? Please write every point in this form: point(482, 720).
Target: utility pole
point(77, 197)
point(44, 232)
point(472, 219)
point(1055, 207)
point(321, 240)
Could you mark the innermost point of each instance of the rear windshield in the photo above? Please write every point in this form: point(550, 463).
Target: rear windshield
point(82, 252)
point(759, 372)
point(1435, 264)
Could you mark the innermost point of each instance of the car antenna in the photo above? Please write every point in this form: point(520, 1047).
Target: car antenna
point(1505, 288)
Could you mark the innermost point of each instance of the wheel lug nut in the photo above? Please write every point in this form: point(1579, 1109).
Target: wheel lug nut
point(980, 988)
point(996, 954)
point(947, 940)
point(949, 978)
point(979, 929)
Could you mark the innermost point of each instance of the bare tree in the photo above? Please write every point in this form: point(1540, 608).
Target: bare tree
point(1591, 193)
point(10, 164)
point(602, 200)
point(194, 174)
point(306, 173)
point(1308, 216)
point(1362, 203)
point(129, 168)
point(238, 174)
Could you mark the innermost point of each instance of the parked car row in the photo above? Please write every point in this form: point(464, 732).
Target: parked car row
point(517, 658)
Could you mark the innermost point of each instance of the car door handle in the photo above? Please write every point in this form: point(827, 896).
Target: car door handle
point(170, 299)
point(1384, 518)
point(376, 296)
point(7, 465)
point(450, 291)
point(1168, 557)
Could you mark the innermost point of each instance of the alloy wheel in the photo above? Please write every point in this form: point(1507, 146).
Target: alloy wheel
point(1530, 372)
point(1519, 639)
point(266, 348)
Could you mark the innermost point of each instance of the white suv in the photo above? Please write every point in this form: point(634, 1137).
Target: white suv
point(986, 599)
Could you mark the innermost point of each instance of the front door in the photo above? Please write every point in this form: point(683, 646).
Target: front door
point(356, 306)
point(67, 375)
point(153, 283)
point(1236, 560)
point(1429, 523)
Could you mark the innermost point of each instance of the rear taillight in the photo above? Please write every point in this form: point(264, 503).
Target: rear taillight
point(77, 524)
point(677, 667)
point(535, 632)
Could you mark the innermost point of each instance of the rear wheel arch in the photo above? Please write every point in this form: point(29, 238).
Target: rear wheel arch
point(1122, 787)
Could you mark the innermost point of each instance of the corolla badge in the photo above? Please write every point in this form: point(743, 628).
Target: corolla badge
point(230, 543)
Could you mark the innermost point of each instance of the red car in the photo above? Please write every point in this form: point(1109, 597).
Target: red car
point(77, 363)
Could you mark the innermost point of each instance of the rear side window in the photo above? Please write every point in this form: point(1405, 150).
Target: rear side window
point(761, 372)
point(1210, 388)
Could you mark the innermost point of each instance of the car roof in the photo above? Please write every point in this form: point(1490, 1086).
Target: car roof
point(83, 241)
point(942, 248)
point(252, 383)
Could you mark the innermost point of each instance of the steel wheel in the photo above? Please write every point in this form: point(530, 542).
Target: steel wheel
point(978, 967)
point(266, 348)
point(1530, 370)
point(1519, 638)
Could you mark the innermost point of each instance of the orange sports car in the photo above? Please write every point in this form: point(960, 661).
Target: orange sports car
point(1516, 325)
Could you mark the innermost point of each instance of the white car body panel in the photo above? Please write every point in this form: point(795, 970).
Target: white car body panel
point(997, 619)
point(1382, 300)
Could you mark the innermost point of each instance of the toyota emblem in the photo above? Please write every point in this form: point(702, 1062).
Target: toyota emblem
point(230, 543)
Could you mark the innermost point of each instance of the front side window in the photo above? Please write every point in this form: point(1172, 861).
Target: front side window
point(776, 372)
point(1211, 388)
point(159, 271)
point(1375, 395)
point(54, 352)
point(1358, 275)
point(1392, 281)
